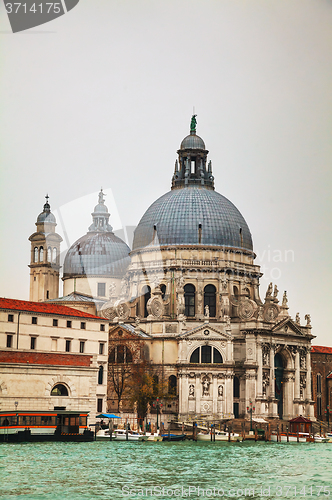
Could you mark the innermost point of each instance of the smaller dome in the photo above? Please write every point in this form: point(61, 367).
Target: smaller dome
point(97, 254)
point(46, 215)
point(100, 208)
point(192, 141)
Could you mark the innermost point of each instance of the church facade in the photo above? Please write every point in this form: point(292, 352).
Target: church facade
point(189, 290)
point(193, 287)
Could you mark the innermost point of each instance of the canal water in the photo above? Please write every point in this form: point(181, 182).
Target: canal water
point(120, 470)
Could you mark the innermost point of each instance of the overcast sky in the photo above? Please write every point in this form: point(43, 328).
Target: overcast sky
point(103, 96)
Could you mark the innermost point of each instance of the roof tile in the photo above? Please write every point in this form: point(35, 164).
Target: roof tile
point(44, 308)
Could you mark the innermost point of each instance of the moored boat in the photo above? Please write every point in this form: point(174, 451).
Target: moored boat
point(123, 435)
point(219, 436)
point(173, 437)
point(33, 426)
point(292, 438)
point(321, 439)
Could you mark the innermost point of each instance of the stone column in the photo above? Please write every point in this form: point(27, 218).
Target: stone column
point(308, 366)
point(198, 389)
point(259, 358)
point(183, 397)
point(215, 394)
point(297, 375)
point(229, 351)
point(229, 395)
point(272, 383)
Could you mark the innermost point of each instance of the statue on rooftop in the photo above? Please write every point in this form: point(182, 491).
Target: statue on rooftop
point(193, 124)
point(101, 196)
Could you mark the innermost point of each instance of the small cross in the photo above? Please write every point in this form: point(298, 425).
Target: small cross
point(47, 197)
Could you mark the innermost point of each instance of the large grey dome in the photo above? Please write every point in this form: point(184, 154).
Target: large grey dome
point(175, 219)
point(97, 254)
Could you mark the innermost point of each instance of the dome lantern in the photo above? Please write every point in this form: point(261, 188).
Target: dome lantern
point(193, 214)
point(100, 216)
point(192, 169)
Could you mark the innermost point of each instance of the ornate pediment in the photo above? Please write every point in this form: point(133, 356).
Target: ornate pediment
point(127, 332)
point(205, 332)
point(287, 327)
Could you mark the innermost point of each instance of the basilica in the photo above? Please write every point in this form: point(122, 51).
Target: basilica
point(189, 290)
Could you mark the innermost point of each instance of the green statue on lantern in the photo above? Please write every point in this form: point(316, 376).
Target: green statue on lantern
point(193, 124)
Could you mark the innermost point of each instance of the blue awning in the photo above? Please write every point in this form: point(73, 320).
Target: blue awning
point(107, 415)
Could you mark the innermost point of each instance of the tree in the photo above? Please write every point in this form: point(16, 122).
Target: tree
point(145, 386)
point(124, 351)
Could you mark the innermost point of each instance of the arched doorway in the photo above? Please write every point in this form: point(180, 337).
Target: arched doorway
point(278, 376)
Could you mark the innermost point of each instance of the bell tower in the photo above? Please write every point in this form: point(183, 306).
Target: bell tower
point(45, 257)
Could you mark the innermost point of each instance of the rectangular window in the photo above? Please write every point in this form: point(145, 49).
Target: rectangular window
point(54, 344)
point(99, 405)
point(102, 328)
point(47, 294)
point(206, 354)
point(101, 289)
point(101, 348)
point(82, 344)
point(9, 341)
point(34, 320)
point(69, 324)
point(68, 345)
point(55, 322)
point(33, 343)
point(82, 325)
point(11, 318)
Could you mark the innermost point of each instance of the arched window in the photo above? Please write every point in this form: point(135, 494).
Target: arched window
point(189, 300)
point(41, 254)
point(101, 375)
point(59, 390)
point(146, 291)
point(120, 354)
point(210, 299)
point(172, 385)
point(236, 387)
point(163, 291)
point(49, 254)
point(54, 255)
point(35, 254)
point(235, 291)
point(206, 354)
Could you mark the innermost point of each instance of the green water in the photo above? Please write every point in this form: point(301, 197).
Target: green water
point(99, 470)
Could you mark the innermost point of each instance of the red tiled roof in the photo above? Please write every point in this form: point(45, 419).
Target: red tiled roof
point(44, 308)
point(321, 349)
point(45, 358)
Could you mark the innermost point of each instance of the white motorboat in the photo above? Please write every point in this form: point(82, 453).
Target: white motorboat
point(321, 439)
point(118, 435)
point(103, 435)
point(219, 436)
point(151, 437)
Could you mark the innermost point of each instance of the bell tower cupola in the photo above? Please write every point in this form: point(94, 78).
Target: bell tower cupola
point(192, 167)
point(45, 257)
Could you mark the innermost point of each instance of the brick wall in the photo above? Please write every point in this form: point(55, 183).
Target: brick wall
point(45, 358)
point(321, 363)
